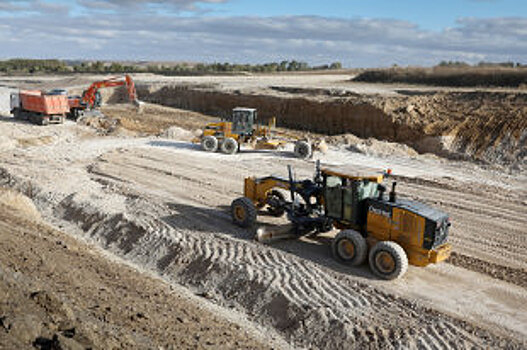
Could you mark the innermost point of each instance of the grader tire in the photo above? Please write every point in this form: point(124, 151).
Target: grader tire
point(388, 260)
point(303, 149)
point(229, 146)
point(209, 143)
point(243, 212)
point(349, 247)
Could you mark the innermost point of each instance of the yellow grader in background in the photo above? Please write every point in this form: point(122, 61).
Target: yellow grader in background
point(390, 232)
point(243, 128)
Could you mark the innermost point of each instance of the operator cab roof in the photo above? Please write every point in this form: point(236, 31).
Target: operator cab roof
point(243, 109)
point(355, 173)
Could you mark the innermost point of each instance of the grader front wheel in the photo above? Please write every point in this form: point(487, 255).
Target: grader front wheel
point(243, 212)
point(209, 143)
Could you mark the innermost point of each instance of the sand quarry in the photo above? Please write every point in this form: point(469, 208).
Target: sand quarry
point(115, 233)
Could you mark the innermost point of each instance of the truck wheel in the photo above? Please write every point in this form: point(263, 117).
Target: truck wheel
point(243, 212)
point(349, 247)
point(17, 114)
point(388, 260)
point(209, 143)
point(275, 203)
point(229, 146)
point(302, 149)
point(44, 121)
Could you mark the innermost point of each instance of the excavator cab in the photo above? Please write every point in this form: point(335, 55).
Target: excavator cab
point(243, 120)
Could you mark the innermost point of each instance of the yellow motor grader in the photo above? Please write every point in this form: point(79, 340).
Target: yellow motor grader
point(390, 232)
point(243, 128)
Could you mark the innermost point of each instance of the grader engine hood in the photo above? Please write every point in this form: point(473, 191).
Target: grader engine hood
point(410, 217)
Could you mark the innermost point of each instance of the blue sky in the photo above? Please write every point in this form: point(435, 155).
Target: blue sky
point(433, 15)
point(358, 33)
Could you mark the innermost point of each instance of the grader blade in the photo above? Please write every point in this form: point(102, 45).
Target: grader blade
point(266, 234)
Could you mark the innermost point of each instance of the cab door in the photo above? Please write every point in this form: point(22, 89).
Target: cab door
point(333, 197)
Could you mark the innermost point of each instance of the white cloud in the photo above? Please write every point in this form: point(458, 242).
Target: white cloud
point(358, 42)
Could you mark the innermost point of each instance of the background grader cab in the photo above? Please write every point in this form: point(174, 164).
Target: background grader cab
point(389, 232)
point(243, 128)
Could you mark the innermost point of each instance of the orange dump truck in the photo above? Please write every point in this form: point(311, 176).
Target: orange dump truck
point(40, 107)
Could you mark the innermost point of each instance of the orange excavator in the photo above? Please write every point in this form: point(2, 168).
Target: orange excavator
point(91, 98)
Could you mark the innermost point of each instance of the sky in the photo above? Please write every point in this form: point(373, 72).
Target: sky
point(358, 33)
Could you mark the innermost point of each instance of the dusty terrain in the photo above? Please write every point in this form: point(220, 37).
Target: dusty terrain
point(160, 204)
point(57, 292)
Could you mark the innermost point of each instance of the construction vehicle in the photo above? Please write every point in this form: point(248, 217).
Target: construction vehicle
point(91, 97)
point(390, 232)
point(40, 107)
point(243, 128)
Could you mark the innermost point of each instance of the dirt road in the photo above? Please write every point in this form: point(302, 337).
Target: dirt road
point(160, 204)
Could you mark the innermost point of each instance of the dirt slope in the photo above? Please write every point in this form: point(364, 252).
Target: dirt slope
point(57, 292)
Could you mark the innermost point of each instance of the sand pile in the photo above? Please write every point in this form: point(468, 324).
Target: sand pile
point(177, 133)
point(99, 122)
point(373, 146)
point(20, 203)
point(6, 143)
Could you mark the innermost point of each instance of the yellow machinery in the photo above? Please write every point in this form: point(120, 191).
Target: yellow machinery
point(228, 136)
point(390, 232)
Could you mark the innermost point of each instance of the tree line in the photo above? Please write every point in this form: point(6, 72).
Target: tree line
point(33, 66)
point(482, 64)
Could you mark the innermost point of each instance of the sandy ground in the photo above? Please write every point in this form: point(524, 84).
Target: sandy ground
point(89, 301)
point(161, 205)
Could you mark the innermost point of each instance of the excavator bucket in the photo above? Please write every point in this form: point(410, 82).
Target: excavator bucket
point(138, 104)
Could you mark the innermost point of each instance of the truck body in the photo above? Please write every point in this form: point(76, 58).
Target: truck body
point(39, 107)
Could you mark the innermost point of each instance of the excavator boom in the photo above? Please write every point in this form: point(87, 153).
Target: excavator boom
point(90, 95)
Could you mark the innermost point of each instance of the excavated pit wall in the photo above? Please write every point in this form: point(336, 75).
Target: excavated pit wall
point(331, 117)
point(484, 126)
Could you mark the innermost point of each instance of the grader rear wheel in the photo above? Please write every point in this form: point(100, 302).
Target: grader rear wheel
point(303, 149)
point(229, 146)
point(243, 212)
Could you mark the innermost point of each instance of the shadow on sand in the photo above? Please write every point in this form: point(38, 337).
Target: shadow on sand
point(218, 220)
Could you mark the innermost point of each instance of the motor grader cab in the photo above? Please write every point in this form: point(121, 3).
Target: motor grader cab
point(390, 232)
point(243, 127)
point(243, 120)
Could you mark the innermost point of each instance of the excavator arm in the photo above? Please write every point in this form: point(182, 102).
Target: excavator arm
point(89, 97)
